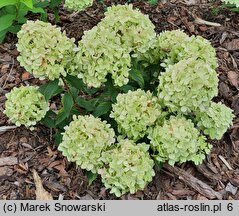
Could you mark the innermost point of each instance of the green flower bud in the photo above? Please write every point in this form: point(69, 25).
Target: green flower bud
point(134, 112)
point(177, 140)
point(185, 86)
point(85, 139)
point(25, 105)
point(214, 119)
point(45, 51)
point(78, 5)
point(128, 167)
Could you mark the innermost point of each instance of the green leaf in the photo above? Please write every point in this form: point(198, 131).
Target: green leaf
point(136, 75)
point(91, 176)
point(58, 137)
point(62, 115)
point(82, 102)
point(55, 3)
point(37, 10)
point(4, 3)
point(67, 103)
point(102, 108)
point(14, 29)
point(74, 81)
point(49, 119)
point(6, 21)
point(3, 34)
point(28, 3)
point(49, 89)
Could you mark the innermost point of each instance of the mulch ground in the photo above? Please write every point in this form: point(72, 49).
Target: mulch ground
point(22, 150)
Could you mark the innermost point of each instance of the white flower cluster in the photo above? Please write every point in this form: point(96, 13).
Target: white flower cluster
point(25, 105)
point(44, 50)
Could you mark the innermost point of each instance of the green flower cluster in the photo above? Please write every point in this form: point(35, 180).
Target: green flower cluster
point(135, 30)
point(134, 112)
point(25, 105)
point(170, 47)
point(177, 140)
point(101, 53)
point(236, 2)
point(85, 139)
point(128, 167)
point(44, 50)
point(187, 85)
point(78, 5)
point(107, 48)
point(214, 119)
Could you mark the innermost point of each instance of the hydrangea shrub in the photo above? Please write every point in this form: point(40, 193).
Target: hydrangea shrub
point(214, 119)
point(84, 141)
point(45, 51)
point(177, 140)
point(134, 112)
point(128, 167)
point(121, 80)
point(25, 106)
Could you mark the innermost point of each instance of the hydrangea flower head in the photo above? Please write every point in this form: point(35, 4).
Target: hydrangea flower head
point(128, 167)
point(45, 51)
point(85, 139)
point(25, 105)
point(134, 112)
point(177, 140)
point(185, 86)
point(78, 5)
point(214, 119)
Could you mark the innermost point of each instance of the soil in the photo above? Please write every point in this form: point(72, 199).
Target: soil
point(22, 150)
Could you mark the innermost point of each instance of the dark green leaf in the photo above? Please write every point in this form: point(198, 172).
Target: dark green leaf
point(14, 29)
point(91, 176)
point(49, 119)
point(49, 89)
point(3, 34)
point(61, 117)
point(74, 81)
point(136, 75)
point(102, 108)
point(58, 137)
point(6, 21)
point(88, 105)
point(126, 88)
point(67, 103)
point(55, 3)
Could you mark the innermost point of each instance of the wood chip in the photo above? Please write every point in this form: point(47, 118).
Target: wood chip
point(41, 193)
point(193, 182)
point(225, 162)
point(3, 129)
point(8, 161)
point(233, 45)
